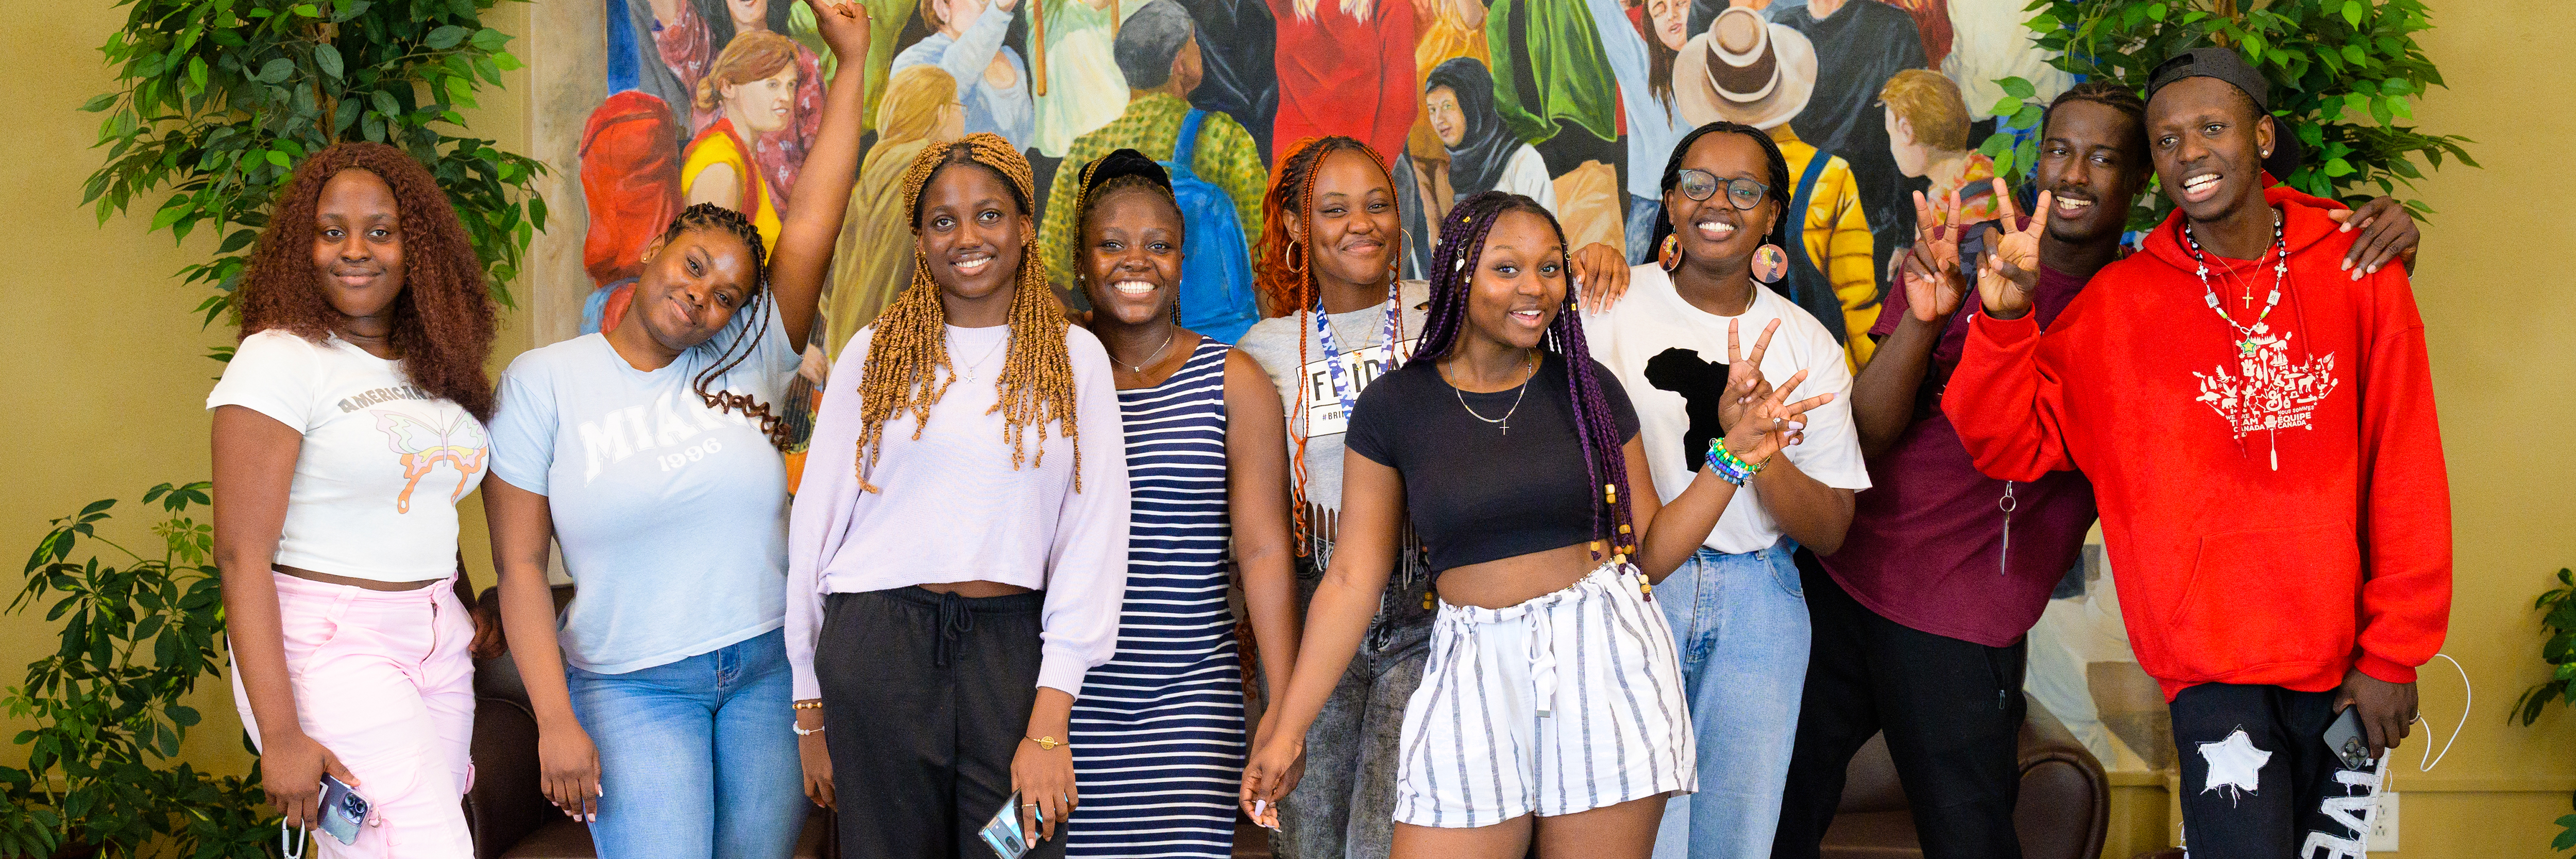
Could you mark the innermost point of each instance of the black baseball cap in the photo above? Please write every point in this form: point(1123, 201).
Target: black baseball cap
point(2227, 65)
point(2221, 63)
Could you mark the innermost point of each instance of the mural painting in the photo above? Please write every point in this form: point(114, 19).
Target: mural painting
point(1576, 103)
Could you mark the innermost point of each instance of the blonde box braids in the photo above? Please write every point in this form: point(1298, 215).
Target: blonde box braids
point(910, 347)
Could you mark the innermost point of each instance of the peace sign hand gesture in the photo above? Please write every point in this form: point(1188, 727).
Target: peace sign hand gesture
point(1744, 383)
point(2010, 273)
point(1773, 424)
point(1933, 282)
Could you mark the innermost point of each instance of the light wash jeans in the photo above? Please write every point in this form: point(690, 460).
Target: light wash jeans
point(1740, 621)
point(1344, 808)
point(697, 758)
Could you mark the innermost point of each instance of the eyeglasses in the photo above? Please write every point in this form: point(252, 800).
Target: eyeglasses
point(1744, 194)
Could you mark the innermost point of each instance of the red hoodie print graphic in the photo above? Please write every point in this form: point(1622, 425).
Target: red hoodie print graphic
point(2268, 392)
point(424, 445)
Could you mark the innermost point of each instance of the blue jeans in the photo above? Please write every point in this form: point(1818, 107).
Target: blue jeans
point(1740, 621)
point(697, 758)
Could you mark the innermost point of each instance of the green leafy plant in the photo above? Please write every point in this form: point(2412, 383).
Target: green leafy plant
point(2558, 648)
point(2344, 73)
point(219, 99)
point(139, 630)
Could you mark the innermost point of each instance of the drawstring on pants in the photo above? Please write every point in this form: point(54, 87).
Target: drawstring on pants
point(954, 620)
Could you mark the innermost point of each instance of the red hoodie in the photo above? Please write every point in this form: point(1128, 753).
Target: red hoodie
point(2233, 568)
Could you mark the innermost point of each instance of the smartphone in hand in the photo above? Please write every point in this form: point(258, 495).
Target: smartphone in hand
point(1002, 833)
point(342, 810)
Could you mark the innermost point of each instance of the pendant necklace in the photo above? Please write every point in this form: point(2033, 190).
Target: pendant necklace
point(1506, 420)
point(1170, 332)
point(978, 363)
point(2246, 334)
point(2248, 338)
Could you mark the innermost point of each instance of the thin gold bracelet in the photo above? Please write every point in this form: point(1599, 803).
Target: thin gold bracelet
point(1048, 743)
point(809, 705)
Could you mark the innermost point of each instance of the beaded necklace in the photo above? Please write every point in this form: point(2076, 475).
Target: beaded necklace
point(2246, 335)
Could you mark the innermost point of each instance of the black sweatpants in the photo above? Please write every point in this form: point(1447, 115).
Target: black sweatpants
point(926, 696)
point(2271, 785)
point(1952, 711)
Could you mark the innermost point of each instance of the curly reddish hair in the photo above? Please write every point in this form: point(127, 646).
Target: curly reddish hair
point(442, 321)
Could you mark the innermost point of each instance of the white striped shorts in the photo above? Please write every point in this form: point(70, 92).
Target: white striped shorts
point(1568, 702)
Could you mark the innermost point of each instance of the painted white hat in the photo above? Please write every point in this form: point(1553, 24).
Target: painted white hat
point(1744, 70)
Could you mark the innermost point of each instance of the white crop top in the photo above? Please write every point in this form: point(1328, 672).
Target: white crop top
point(382, 465)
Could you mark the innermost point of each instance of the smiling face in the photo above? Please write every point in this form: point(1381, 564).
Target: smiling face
point(748, 15)
point(691, 286)
point(357, 244)
point(1670, 20)
point(2091, 162)
point(1713, 229)
point(971, 228)
point(1351, 222)
point(763, 105)
point(1131, 256)
point(2207, 141)
point(1519, 282)
point(1447, 120)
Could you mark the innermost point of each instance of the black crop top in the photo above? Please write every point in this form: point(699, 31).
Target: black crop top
point(1475, 492)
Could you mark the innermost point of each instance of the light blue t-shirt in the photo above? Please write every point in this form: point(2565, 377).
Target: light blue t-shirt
point(672, 515)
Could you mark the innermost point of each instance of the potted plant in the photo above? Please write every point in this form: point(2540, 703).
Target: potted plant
point(139, 629)
point(2558, 648)
point(2344, 76)
point(219, 99)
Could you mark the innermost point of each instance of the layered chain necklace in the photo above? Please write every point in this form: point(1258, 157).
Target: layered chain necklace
point(2248, 337)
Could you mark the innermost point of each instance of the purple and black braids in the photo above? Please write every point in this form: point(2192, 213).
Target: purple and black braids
point(1596, 427)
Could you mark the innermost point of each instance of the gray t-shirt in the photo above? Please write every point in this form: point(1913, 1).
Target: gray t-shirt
point(1306, 392)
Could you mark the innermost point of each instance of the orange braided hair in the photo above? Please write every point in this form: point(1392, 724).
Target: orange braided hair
point(910, 343)
point(1284, 278)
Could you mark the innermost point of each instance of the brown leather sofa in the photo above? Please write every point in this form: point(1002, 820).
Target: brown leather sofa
point(2064, 810)
point(508, 816)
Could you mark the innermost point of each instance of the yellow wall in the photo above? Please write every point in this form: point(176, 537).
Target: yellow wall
point(112, 369)
point(109, 377)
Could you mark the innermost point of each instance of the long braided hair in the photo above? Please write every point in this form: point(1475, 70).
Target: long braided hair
point(1596, 426)
point(910, 345)
point(1284, 277)
point(754, 318)
point(1771, 156)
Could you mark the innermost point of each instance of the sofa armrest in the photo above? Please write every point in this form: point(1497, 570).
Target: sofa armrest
point(504, 805)
point(2064, 811)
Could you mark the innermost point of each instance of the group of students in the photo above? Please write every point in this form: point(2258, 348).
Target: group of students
point(1658, 620)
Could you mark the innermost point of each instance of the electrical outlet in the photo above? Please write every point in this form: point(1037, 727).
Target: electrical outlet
point(2383, 825)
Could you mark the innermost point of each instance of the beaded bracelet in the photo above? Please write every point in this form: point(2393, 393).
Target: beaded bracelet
point(1728, 465)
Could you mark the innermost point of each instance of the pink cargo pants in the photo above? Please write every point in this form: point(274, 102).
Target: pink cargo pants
point(384, 681)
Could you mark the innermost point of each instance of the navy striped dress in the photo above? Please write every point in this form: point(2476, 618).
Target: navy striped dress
point(1158, 732)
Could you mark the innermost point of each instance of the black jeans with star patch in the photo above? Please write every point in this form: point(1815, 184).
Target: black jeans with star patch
point(2261, 795)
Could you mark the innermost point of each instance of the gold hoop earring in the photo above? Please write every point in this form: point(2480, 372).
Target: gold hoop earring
point(1294, 257)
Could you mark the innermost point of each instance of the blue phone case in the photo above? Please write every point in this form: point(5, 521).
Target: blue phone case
point(1003, 834)
point(342, 810)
